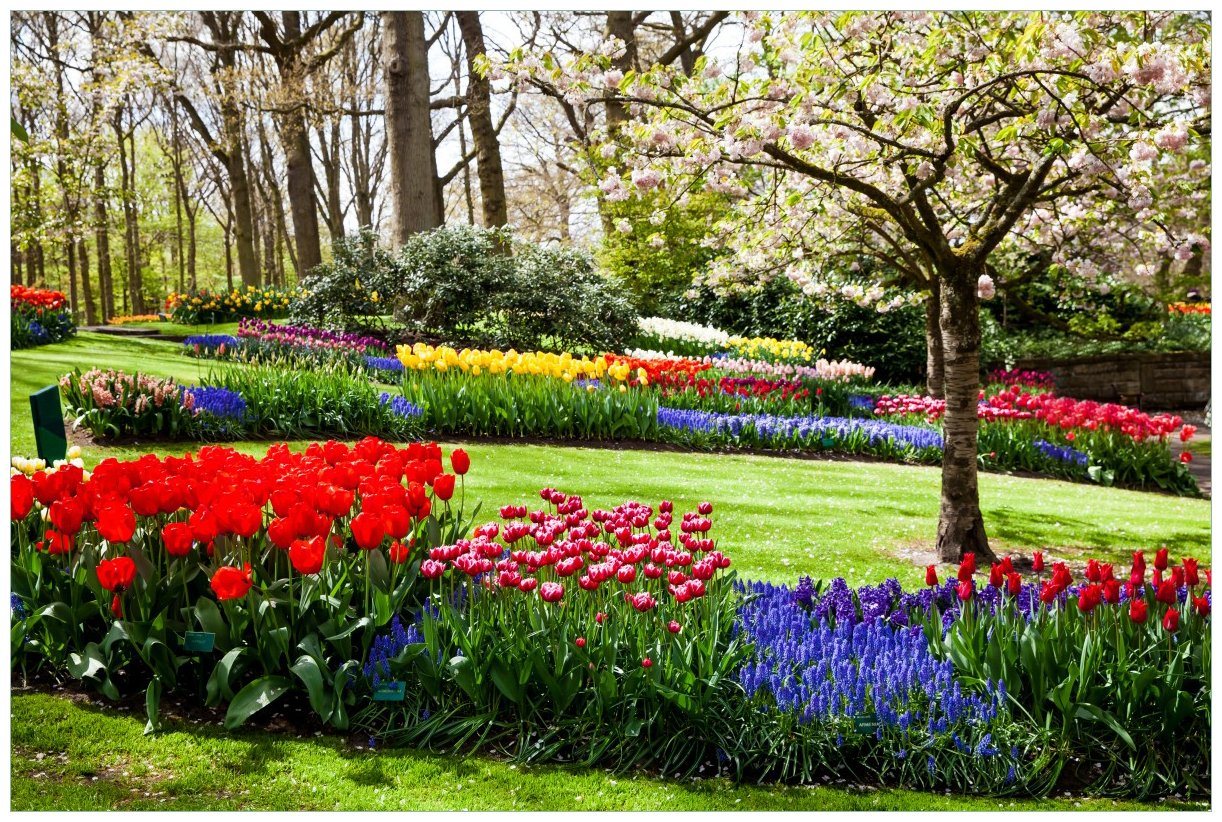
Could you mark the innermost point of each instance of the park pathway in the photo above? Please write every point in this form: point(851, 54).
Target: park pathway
point(1200, 465)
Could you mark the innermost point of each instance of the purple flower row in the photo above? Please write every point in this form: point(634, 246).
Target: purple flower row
point(780, 430)
point(307, 336)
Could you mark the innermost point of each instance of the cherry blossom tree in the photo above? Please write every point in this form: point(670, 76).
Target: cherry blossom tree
point(931, 141)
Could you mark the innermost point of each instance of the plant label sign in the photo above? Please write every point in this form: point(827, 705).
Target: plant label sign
point(390, 692)
point(198, 642)
point(865, 724)
point(828, 442)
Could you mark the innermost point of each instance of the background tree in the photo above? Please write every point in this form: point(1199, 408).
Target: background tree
point(946, 136)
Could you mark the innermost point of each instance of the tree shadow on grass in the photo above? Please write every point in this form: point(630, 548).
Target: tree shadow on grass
point(1037, 530)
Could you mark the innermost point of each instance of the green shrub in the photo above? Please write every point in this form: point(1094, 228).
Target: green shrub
point(352, 290)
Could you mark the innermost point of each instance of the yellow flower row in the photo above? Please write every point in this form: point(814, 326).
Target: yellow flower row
point(754, 347)
point(474, 361)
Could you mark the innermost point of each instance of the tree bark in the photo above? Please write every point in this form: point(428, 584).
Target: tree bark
point(960, 524)
point(101, 237)
point(620, 24)
point(934, 366)
point(483, 132)
point(82, 257)
point(408, 125)
point(298, 162)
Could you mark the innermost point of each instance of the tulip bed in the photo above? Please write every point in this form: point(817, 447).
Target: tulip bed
point(352, 581)
point(203, 306)
point(39, 316)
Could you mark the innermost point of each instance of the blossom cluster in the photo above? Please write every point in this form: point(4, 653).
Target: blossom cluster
point(114, 389)
point(825, 668)
point(1022, 376)
point(304, 504)
point(832, 370)
point(205, 305)
point(777, 429)
point(1189, 308)
point(36, 298)
point(683, 331)
point(474, 361)
point(674, 373)
point(768, 348)
point(305, 336)
point(1062, 453)
point(641, 556)
point(134, 318)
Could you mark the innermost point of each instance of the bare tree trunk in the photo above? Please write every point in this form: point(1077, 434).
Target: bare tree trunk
point(37, 266)
point(82, 256)
point(299, 169)
point(239, 185)
point(483, 132)
point(413, 175)
point(934, 366)
point(131, 237)
point(191, 275)
point(101, 236)
point(960, 524)
point(16, 258)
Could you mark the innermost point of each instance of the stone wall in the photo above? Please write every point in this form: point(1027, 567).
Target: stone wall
point(1148, 381)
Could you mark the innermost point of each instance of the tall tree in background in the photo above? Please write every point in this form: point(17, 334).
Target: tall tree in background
point(483, 132)
point(408, 125)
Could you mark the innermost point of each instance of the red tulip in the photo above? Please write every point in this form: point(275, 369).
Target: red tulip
point(1171, 621)
point(931, 575)
point(116, 523)
point(432, 569)
point(281, 533)
point(1094, 572)
point(600, 617)
point(674, 627)
point(1201, 604)
point(459, 461)
point(965, 590)
point(231, 583)
point(21, 496)
point(307, 555)
point(443, 487)
point(177, 538)
point(55, 543)
point(1089, 598)
point(528, 584)
point(117, 575)
point(1192, 576)
point(1139, 562)
point(1166, 593)
point(399, 551)
point(1014, 584)
point(66, 515)
point(1138, 611)
point(368, 530)
point(1111, 591)
point(646, 663)
point(642, 601)
point(705, 508)
point(1037, 561)
point(580, 642)
point(1185, 457)
point(967, 567)
point(996, 575)
point(1160, 559)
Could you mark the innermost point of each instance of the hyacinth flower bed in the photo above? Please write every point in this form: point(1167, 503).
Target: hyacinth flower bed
point(236, 403)
point(39, 316)
point(351, 582)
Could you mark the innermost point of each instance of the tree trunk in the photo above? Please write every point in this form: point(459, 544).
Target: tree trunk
point(483, 132)
point(960, 524)
point(408, 126)
point(191, 276)
point(131, 237)
point(619, 24)
point(16, 256)
point(298, 162)
point(934, 367)
point(82, 256)
point(101, 236)
point(239, 186)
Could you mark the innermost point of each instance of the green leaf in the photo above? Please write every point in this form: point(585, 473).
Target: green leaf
point(254, 697)
point(152, 705)
point(307, 670)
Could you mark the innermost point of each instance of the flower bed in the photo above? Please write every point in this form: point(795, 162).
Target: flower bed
point(351, 580)
point(134, 318)
point(238, 402)
point(39, 317)
point(202, 306)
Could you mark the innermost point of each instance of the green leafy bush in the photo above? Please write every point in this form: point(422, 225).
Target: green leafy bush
point(352, 290)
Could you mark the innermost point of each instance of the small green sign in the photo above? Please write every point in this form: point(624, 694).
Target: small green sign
point(390, 692)
point(198, 642)
point(49, 434)
point(866, 723)
point(828, 442)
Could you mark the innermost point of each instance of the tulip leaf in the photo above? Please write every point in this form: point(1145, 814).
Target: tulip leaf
point(307, 670)
point(254, 697)
point(152, 705)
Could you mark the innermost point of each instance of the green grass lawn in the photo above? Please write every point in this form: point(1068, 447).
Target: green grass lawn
point(777, 517)
point(168, 327)
point(69, 756)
